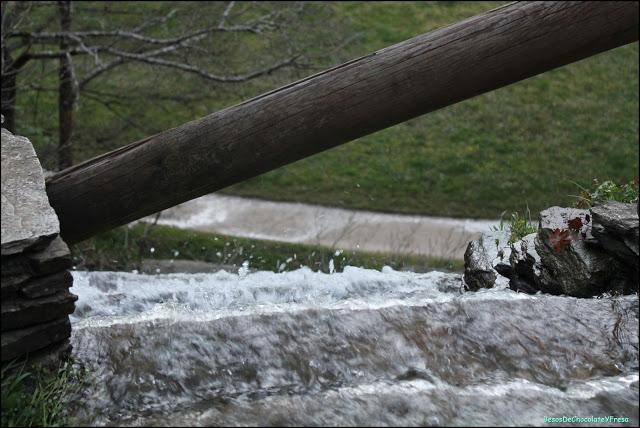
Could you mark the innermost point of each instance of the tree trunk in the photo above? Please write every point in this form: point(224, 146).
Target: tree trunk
point(333, 107)
point(8, 95)
point(9, 100)
point(66, 94)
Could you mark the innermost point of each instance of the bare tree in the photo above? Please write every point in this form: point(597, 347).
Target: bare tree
point(101, 38)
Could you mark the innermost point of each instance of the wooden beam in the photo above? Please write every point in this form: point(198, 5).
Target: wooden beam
point(333, 107)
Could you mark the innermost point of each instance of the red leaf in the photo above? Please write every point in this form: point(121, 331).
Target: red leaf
point(575, 224)
point(559, 239)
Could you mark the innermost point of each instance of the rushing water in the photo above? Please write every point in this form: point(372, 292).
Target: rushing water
point(360, 347)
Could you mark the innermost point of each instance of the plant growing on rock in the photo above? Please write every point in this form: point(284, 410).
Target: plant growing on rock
point(607, 191)
point(521, 226)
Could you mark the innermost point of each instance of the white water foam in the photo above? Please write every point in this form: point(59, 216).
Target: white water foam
point(108, 298)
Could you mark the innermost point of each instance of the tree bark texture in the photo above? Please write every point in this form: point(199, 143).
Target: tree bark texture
point(66, 93)
point(362, 96)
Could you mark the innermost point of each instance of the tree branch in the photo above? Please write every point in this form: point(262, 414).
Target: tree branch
point(149, 59)
point(116, 112)
point(154, 21)
point(100, 70)
point(225, 14)
point(50, 37)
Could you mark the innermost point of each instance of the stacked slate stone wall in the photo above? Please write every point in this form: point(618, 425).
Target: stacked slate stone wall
point(35, 280)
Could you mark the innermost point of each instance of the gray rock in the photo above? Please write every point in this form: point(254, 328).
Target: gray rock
point(478, 272)
point(15, 271)
point(578, 269)
point(615, 226)
point(496, 245)
point(525, 265)
point(47, 285)
point(28, 220)
point(20, 312)
point(10, 285)
point(18, 342)
point(493, 248)
point(559, 217)
point(55, 257)
point(15, 265)
point(18, 269)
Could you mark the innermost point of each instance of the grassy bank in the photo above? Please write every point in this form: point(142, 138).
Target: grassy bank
point(521, 145)
point(125, 248)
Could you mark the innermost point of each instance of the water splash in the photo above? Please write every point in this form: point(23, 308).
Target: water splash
point(244, 269)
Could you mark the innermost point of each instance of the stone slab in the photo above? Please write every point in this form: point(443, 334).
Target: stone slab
point(15, 265)
point(615, 225)
point(10, 286)
point(27, 218)
point(16, 343)
point(47, 285)
point(20, 268)
point(20, 312)
point(55, 257)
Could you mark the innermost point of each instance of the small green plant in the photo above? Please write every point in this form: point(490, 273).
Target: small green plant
point(521, 226)
point(606, 191)
point(36, 397)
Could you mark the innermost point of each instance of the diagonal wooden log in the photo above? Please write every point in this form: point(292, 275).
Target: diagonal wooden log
point(362, 96)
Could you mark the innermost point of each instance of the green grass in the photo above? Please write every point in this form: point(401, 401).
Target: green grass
point(521, 145)
point(521, 226)
point(123, 249)
point(526, 144)
point(35, 396)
